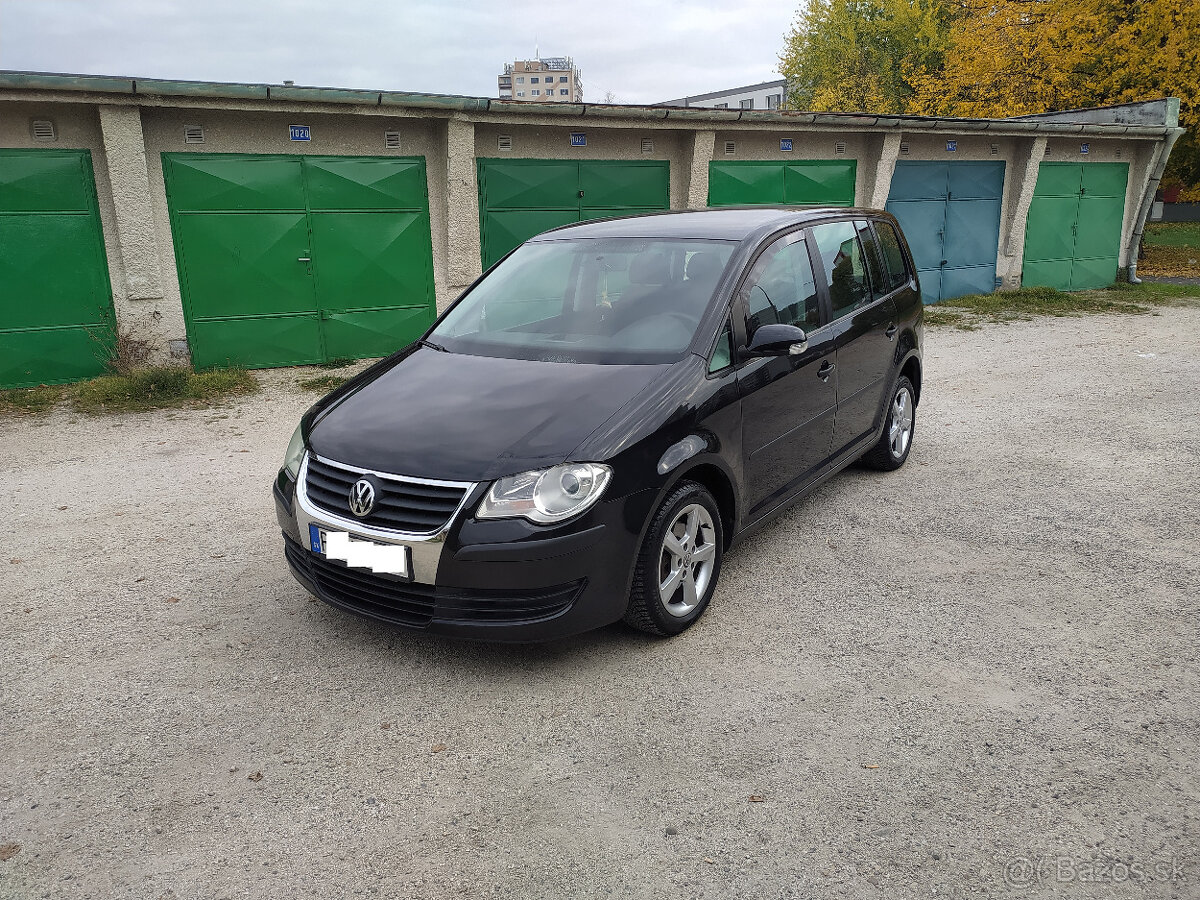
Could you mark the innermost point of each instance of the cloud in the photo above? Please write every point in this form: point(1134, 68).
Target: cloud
point(643, 53)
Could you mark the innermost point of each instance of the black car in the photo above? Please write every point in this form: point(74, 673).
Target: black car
point(586, 431)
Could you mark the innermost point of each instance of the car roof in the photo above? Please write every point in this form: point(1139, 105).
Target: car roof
point(734, 223)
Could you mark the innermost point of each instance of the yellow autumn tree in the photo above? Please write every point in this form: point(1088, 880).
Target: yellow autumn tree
point(1009, 57)
point(998, 58)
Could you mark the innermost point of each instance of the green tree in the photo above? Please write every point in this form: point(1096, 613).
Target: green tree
point(851, 55)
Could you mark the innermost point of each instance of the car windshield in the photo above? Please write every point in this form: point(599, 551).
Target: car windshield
point(610, 300)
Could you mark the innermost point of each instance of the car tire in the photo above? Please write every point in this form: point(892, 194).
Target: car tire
point(678, 566)
point(899, 427)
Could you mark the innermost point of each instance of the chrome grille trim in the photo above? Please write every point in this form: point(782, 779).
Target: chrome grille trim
point(426, 547)
point(401, 501)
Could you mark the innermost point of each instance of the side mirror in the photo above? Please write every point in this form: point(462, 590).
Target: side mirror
point(777, 340)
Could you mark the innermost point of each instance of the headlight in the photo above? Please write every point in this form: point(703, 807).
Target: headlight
point(548, 495)
point(295, 453)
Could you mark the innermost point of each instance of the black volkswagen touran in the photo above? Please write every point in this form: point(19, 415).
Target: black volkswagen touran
point(588, 429)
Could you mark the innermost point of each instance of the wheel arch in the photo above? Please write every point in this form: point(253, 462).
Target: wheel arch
point(911, 369)
point(717, 482)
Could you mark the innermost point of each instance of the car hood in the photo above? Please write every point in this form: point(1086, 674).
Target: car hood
point(472, 418)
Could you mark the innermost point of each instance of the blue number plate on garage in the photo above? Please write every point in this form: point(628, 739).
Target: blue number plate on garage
point(383, 559)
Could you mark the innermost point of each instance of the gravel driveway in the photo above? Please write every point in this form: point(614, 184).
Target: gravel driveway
point(975, 676)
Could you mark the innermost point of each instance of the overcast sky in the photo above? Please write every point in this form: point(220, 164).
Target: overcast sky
point(642, 52)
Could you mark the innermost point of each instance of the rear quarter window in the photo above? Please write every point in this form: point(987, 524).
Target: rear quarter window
point(893, 256)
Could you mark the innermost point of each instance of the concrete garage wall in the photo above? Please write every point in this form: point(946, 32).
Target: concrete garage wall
point(127, 125)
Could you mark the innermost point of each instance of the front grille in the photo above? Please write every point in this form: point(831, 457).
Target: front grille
point(401, 504)
point(406, 603)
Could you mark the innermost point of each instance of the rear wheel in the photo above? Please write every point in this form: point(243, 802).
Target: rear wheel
point(679, 563)
point(892, 449)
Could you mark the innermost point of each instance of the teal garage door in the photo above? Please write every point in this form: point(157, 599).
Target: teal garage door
point(1073, 234)
point(822, 182)
point(950, 213)
point(519, 198)
point(56, 309)
point(285, 260)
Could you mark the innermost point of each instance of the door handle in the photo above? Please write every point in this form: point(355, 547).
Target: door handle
point(303, 259)
point(826, 370)
point(891, 331)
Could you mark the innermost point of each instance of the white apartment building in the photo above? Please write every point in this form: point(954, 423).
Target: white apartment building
point(767, 95)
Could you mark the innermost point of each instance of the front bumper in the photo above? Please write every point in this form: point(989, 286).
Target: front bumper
point(499, 580)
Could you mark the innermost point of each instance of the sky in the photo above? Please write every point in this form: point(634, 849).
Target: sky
point(641, 52)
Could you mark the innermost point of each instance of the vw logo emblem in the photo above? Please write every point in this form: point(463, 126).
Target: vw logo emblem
point(362, 498)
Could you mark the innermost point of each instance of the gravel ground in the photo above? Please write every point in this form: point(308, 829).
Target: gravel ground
point(976, 676)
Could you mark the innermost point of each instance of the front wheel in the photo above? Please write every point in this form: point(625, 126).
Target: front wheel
point(679, 563)
point(890, 452)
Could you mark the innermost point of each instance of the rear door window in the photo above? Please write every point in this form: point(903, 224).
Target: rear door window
point(845, 267)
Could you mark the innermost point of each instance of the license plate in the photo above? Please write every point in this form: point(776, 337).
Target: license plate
point(384, 559)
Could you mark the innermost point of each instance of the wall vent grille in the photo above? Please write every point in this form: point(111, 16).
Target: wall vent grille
point(903, 147)
point(391, 140)
point(43, 130)
point(504, 142)
point(647, 145)
point(730, 148)
point(995, 149)
point(193, 134)
point(839, 147)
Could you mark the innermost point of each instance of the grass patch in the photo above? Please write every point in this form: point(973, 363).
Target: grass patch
point(1172, 234)
point(340, 363)
point(31, 400)
point(946, 317)
point(968, 313)
point(158, 387)
point(1158, 291)
point(323, 383)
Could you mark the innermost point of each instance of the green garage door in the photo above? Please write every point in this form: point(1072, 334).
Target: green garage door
point(56, 310)
point(824, 182)
point(285, 260)
point(1073, 234)
point(519, 198)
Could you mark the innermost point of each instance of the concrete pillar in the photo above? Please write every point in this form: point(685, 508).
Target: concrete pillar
point(125, 159)
point(461, 214)
point(703, 143)
point(1012, 249)
point(884, 168)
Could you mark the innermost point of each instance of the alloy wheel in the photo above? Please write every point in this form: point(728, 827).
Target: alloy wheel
point(900, 430)
point(686, 560)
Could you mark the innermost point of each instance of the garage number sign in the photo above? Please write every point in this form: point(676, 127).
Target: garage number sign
point(578, 139)
point(951, 146)
point(785, 144)
point(1085, 148)
point(300, 132)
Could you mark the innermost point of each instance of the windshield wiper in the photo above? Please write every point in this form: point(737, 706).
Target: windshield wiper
point(432, 346)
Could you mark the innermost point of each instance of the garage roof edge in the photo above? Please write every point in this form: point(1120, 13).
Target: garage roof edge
point(1151, 118)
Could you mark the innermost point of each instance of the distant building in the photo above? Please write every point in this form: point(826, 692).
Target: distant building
point(546, 80)
point(767, 95)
